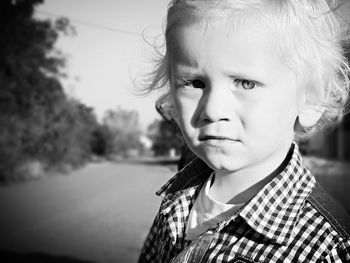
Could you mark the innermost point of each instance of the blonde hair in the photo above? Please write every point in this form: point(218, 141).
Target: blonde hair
point(310, 41)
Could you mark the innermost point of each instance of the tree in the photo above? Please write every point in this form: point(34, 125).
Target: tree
point(124, 126)
point(102, 141)
point(165, 136)
point(38, 121)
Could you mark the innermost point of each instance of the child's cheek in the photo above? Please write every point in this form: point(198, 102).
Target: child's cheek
point(186, 111)
point(186, 103)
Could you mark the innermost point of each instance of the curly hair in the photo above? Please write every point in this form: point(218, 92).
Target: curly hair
point(311, 42)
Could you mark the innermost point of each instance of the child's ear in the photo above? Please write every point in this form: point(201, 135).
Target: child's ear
point(174, 114)
point(171, 108)
point(309, 115)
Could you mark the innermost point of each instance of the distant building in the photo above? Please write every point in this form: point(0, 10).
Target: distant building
point(146, 142)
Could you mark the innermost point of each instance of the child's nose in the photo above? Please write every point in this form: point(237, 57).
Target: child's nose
point(217, 104)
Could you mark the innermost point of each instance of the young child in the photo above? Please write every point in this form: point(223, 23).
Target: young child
point(246, 79)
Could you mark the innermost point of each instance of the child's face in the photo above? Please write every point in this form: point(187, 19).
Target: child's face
point(236, 103)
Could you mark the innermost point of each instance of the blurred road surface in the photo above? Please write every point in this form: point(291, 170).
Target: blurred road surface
point(100, 213)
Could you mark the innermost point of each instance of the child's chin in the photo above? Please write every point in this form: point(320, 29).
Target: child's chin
point(221, 163)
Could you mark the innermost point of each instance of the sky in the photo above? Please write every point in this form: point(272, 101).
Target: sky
point(109, 52)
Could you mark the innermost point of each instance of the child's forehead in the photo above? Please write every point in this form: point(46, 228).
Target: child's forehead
point(281, 42)
point(276, 18)
point(289, 38)
point(264, 23)
point(247, 54)
point(253, 34)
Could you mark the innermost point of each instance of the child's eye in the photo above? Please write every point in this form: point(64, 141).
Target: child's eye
point(198, 84)
point(246, 84)
point(195, 83)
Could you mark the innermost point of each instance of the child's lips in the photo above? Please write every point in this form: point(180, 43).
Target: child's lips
point(216, 138)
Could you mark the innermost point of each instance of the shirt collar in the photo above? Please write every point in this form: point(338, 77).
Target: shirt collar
point(193, 174)
point(273, 211)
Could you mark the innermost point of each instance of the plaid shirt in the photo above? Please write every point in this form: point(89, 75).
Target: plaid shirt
point(279, 224)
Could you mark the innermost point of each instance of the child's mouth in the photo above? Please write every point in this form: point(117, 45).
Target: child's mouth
point(215, 138)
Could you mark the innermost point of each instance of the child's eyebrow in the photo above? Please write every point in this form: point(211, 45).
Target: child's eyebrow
point(244, 74)
point(248, 76)
point(189, 71)
point(185, 70)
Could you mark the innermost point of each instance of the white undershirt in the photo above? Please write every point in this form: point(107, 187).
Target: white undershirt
point(207, 213)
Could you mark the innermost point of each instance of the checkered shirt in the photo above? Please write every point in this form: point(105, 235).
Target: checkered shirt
point(279, 224)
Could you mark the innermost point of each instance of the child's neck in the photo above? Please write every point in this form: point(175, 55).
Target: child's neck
point(240, 186)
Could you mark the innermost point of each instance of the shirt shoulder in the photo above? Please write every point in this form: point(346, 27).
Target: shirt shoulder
point(333, 213)
point(323, 226)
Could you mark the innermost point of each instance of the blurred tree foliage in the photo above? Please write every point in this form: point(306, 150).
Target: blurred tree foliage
point(38, 122)
point(124, 129)
point(102, 141)
point(165, 136)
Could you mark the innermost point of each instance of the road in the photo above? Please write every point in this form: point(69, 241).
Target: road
point(100, 213)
